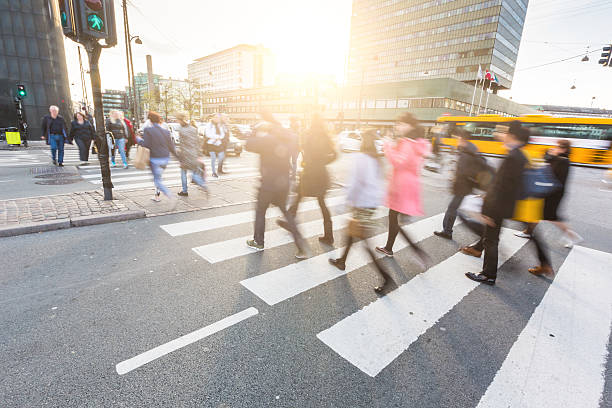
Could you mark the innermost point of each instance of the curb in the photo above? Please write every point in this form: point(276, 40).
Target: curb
point(32, 227)
point(51, 225)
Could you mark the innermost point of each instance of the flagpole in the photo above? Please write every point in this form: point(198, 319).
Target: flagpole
point(473, 96)
point(487, 102)
point(481, 91)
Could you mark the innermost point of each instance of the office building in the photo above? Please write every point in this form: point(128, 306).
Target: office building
point(32, 54)
point(400, 40)
point(115, 100)
point(572, 111)
point(241, 67)
point(143, 96)
point(381, 104)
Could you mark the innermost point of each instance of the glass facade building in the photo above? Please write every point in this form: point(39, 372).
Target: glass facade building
point(400, 40)
point(32, 53)
point(115, 100)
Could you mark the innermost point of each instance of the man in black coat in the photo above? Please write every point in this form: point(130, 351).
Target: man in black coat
point(274, 144)
point(467, 167)
point(54, 131)
point(499, 202)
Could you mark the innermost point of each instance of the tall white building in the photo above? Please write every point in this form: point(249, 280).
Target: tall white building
point(241, 67)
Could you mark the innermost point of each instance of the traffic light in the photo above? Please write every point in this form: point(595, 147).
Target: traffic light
point(21, 91)
point(606, 56)
point(69, 26)
point(97, 20)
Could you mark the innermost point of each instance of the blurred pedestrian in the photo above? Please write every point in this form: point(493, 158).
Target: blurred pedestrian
point(118, 129)
point(160, 144)
point(406, 157)
point(317, 152)
point(499, 203)
point(55, 133)
point(365, 188)
point(274, 145)
point(216, 132)
point(463, 183)
point(224, 144)
point(130, 134)
point(558, 159)
point(82, 132)
point(294, 126)
point(190, 155)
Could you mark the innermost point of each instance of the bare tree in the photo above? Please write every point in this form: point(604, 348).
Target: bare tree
point(190, 97)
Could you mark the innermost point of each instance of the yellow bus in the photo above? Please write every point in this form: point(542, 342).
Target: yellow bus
point(590, 137)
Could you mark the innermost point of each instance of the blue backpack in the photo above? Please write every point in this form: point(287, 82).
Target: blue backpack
point(539, 182)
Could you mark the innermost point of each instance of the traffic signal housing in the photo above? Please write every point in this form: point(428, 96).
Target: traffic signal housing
point(21, 91)
point(67, 20)
point(606, 56)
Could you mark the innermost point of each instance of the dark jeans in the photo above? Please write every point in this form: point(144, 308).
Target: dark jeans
point(394, 229)
point(57, 147)
point(451, 214)
point(279, 199)
point(490, 243)
point(83, 144)
point(327, 222)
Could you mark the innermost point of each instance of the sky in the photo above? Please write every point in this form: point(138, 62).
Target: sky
point(313, 36)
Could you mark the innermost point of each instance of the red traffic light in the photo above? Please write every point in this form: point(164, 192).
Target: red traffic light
point(95, 5)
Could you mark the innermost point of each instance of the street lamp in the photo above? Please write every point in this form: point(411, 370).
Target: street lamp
point(132, 81)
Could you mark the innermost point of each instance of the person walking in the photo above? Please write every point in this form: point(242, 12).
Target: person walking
point(215, 134)
point(82, 132)
point(558, 159)
point(54, 132)
point(317, 152)
point(130, 139)
point(404, 192)
point(294, 126)
point(118, 128)
point(499, 203)
point(364, 194)
point(224, 144)
point(464, 179)
point(189, 155)
point(160, 145)
point(273, 143)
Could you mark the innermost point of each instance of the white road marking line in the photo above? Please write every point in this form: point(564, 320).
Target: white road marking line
point(567, 370)
point(291, 280)
point(6, 181)
point(118, 172)
point(233, 248)
point(374, 336)
point(133, 363)
point(222, 221)
point(177, 181)
point(168, 173)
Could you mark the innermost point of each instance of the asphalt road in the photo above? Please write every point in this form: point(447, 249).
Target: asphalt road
point(79, 304)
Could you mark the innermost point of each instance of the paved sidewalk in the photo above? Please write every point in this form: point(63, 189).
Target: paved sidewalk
point(37, 214)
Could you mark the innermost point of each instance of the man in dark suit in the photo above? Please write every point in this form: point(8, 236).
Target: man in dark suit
point(499, 202)
point(463, 183)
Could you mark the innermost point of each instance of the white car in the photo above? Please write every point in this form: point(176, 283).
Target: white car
point(350, 141)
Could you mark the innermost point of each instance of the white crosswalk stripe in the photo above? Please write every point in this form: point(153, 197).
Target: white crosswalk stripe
point(576, 309)
point(133, 179)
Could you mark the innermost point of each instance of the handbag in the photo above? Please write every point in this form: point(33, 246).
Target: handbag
point(539, 182)
point(143, 157)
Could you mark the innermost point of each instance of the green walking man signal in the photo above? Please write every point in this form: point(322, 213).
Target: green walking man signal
point(21, 91)
point(95, 22)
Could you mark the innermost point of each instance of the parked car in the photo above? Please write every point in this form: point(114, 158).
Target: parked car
point(235, 145)
point(241, 132)
point(350, 141)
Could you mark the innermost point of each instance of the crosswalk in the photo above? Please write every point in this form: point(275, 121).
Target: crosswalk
point(558, 359)
point(16, 158)
point(132, 178)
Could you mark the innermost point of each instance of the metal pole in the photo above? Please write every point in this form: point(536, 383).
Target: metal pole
point(126, 36)
point(488, 93)
point(473, 96)
point(93, 52)
point(481, 91)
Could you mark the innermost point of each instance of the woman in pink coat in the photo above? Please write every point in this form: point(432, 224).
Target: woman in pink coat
point(404, 191)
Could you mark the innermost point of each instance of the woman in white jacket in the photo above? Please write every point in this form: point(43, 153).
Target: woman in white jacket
point(215, 133)
point(365, 190)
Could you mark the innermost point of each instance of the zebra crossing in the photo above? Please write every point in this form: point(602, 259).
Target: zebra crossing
point(16, 158)
point(558, 358)
point(133, 179)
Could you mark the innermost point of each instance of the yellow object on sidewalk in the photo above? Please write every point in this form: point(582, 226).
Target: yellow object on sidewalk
point(529, 210)
point(13, 138)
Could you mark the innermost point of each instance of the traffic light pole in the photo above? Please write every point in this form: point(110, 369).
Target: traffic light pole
point(93, 52)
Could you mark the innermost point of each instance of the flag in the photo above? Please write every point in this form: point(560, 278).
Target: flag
point(495, 79)
point(488, 76)
point(479, 76)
